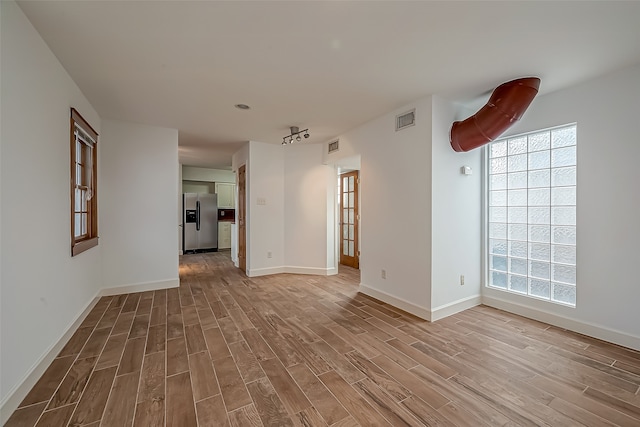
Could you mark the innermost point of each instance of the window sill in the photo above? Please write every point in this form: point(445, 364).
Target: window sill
point(79, 247)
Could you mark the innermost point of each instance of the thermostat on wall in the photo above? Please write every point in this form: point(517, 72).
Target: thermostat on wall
point(466, 170)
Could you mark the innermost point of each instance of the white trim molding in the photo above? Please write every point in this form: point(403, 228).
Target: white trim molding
point(292, 270)
point(20, 391)
point(311, 270)
point(589, 329)
point(256, 272)
point(140, 287)
point(454, 307)
point(400, 303)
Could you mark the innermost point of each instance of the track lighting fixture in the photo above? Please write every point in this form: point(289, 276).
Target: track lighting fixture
point(295, 135)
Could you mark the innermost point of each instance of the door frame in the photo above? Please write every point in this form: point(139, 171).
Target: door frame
point(351, 261)
point(241, 216)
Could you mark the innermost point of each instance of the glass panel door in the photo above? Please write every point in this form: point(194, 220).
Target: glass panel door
point(349, 219)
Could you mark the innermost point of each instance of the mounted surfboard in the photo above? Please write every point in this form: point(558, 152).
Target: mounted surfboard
point(507, 104)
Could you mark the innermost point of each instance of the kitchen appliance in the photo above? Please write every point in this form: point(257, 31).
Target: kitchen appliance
point(199, 222)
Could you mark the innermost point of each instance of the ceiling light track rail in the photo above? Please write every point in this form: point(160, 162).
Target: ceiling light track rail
point(295, 135)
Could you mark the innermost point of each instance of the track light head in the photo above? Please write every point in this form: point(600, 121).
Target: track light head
point(295, 133)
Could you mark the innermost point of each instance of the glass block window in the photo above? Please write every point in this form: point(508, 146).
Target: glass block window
point(532, 214)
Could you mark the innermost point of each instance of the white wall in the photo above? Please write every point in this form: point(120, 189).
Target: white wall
point(43, 289)
point(421, 219)
point(606, 111)
point(239, 158)
point(456, 219)
point(2, 393)
point(179, 206)
point(265, 223)
point(198, 187)
point(296, 223)
point(138, 199)
point(307, 209)
point(192, 173)
point(433, 233)
point(395, 209)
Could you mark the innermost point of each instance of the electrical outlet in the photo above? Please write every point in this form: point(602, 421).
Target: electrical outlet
point(383, 274)
point(269, 254)
point(462, 280)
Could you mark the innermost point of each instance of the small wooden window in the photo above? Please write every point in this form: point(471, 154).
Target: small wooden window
point(84, 178)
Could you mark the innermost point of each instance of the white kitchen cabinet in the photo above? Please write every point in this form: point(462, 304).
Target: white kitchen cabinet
point(224, 235)
point(226, 195)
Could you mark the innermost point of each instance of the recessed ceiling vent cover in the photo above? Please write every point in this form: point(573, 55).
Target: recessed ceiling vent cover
point(334, 146)
point(405, 120)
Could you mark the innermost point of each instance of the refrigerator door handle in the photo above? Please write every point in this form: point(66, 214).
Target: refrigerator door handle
point(198, 215)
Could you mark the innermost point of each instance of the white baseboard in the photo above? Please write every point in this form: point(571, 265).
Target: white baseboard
point(311, 270)
point(455, 307)
point(592, 330)
point(19, 392)
point(332, 271)
point(292, 270)
point(264, 271)
point(400, 303)
point(140, 287)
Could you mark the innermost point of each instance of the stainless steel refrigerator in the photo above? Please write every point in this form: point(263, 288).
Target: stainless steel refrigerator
point(199, 222)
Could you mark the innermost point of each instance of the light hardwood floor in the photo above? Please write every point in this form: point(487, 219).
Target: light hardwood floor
point(291, 350)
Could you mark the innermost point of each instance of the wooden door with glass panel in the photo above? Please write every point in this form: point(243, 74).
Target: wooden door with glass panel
point(349, 219)
point(242, 234)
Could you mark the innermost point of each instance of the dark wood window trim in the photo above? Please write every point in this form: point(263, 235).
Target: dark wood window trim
point(84, 185)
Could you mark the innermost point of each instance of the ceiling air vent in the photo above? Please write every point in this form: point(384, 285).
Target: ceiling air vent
point(405, 120)
point(333, 146)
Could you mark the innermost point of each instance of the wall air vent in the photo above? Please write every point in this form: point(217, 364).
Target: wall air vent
point(334, 146)
point(405, 120)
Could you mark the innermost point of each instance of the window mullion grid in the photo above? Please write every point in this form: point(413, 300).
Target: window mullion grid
point(492, 208)
point(82, 182)
point(79, 168)
point(549, 256)
point(510, 239)
point(528, 238)
point(550, 222)
point(508, 255)
point(553, 280)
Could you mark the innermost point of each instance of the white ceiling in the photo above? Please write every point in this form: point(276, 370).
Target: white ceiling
point(327, 66)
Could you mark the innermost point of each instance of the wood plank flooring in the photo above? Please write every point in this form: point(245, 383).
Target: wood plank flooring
point(292, 350)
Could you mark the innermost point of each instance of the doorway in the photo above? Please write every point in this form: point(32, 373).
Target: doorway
point(242, 231)
point(349, 219)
